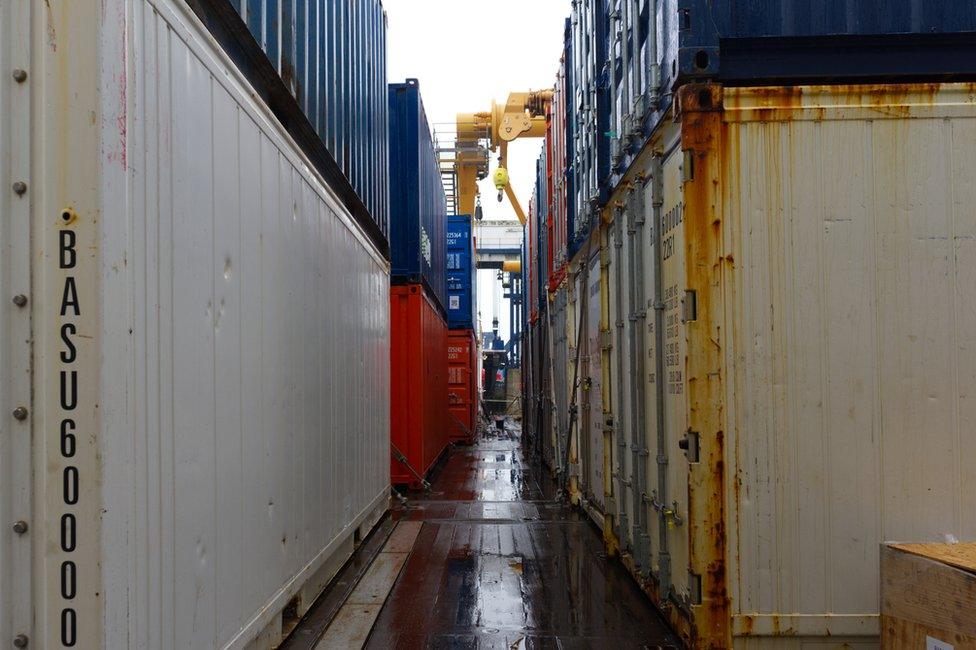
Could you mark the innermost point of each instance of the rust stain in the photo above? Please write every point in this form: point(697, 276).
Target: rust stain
point(705, 136)
point(52, 36)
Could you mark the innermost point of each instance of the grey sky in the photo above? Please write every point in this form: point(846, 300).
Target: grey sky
point(467, 53)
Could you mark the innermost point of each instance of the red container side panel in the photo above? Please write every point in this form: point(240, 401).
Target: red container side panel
point(551, 173)
point(418, 382)
point(558, 205)
point(462, 384)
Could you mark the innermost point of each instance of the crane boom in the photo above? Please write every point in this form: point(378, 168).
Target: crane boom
point(523, 115)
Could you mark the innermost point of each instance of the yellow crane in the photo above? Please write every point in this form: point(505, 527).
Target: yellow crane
point(522, 116)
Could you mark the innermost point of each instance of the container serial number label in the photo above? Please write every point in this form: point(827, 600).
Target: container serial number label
point(70, 311)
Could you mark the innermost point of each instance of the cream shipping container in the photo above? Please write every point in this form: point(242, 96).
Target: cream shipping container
point(192, 433)
point(777, 317)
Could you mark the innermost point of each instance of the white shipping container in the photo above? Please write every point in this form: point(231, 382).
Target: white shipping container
point(809, 277)
point(194, 389)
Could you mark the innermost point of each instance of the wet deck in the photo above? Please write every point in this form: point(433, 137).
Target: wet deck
point(499, 563)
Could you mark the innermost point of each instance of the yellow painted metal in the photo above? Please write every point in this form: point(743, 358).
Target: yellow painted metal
point(609, 537)
point(522, 115)
point(512, 266)
point(500, 178)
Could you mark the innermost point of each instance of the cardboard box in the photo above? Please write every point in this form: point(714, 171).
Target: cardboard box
point(928, 596)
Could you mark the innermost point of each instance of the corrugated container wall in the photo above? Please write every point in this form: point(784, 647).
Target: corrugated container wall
point(204, 432)
point(556, 149)
point(462, 285)
point(660, 44)
point(462, 384)
point(418, 228)
point(542, 231)
point(530, 270)
point(418, 371)
point(569, 116)
point(330, 57)
point(804, 392)
point(591, 139)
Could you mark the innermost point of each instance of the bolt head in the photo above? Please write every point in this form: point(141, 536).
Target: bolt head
point(20, 76)
point(20, 300)
point(20, 412)
point(20, 641)
point(20, 187)
point(20, 527)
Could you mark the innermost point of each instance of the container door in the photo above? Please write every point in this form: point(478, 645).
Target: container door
point(560, 384)
point(667, 479)
point(593, 462)
point(621, 385)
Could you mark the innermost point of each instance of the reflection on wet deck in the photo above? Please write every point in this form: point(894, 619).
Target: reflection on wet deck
point(500, 564)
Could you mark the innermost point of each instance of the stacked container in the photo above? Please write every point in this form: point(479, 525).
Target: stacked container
point(591, 138)
point(462, 299)
point(462, 319)
point(418, 383)
point(462, 384)
point(324, 73)
point(418, 239)
point(746, 365)
point(194, 380)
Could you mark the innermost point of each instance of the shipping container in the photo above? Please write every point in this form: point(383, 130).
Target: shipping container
point(657, 45)
point(192, 433)
point(418, 228)
point(801, 393)
point(556, 153)
point(541, 197)
point(462, 274)
point(462, 384)
point(321, 69)
point(591, 102)
point(530, 267)
point(418, 371)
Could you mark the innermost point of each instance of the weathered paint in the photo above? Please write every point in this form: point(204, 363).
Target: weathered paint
point(702, 140)
point(216, 453)
point(827, 233)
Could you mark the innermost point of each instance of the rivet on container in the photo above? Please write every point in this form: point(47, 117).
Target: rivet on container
point(20, 187)
point(20, 641)
point(20, 413)
point(20, 527)
point(20, 76)
point(20, 300)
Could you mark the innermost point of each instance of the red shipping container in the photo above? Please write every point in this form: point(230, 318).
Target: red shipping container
point(418, 382)
point(556, 147)
point(462, 384)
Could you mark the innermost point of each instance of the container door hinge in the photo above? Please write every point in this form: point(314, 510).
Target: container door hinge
point(607, 342)
point(689, 306)
point(688, 166)
point(694, 588)
point(689, 443)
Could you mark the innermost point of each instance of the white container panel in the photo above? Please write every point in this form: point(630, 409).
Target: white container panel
point(850, 220)
point(233, 342)
point(593, 393)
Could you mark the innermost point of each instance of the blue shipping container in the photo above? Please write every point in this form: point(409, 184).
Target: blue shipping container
point(418, 204)
point(462, 285)
point(331, 56)
point(320, 67)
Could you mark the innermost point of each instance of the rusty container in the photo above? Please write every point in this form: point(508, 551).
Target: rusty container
point(418, 383)
point(462, 384)
point(788, 327)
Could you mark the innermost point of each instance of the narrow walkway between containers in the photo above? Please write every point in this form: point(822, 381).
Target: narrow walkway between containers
point(490, 559)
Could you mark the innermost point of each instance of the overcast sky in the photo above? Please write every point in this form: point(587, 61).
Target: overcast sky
point(467, 53)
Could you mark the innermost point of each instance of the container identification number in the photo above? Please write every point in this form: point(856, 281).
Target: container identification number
point(69, 308)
